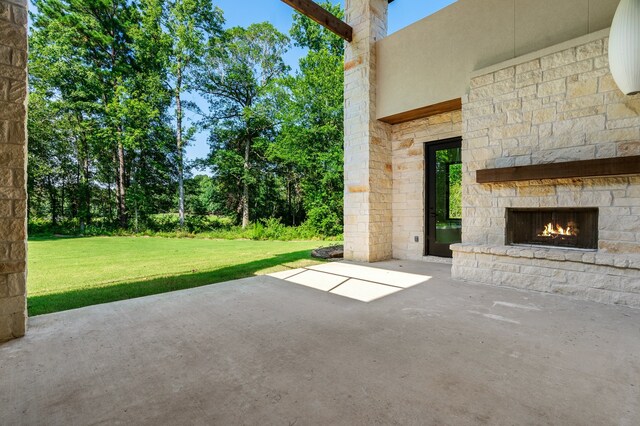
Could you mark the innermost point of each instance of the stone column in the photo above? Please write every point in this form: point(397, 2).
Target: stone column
point(367, 142)
point(13, 167)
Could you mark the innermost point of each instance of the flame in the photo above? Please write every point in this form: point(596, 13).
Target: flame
point(551, 231)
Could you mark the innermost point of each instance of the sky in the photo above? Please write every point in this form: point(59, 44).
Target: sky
point(246, 12)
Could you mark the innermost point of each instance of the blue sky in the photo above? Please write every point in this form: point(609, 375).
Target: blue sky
point(247, 12)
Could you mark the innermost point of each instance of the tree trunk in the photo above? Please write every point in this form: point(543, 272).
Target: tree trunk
point(121, 194)
point(245, 186)
point(120, 180)
point(179, 146)
point(85, 210)
point(109, 203)
point(54, 208)
point(87, 189)
point(62, 214)
point(53, 201)
point(76, 197)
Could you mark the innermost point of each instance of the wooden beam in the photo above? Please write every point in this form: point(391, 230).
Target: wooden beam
point(428, 111)
point(311, 10)
point(601, 167)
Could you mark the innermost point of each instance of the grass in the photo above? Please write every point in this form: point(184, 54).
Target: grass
point(68, 273)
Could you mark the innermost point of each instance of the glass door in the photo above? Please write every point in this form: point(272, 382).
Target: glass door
point(443, 197)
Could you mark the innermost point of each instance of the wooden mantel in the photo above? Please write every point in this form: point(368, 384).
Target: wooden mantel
point(602, 167)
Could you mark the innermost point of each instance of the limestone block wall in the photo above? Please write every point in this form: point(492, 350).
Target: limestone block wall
point(13, 193)
point(558, 105)
point(408, 142)
point(367, 148)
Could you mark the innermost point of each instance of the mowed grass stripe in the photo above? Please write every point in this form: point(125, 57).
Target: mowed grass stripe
point(68, 273)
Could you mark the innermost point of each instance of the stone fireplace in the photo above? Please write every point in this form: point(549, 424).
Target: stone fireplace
point(526, 222)
point(558, 228)
point(515, 106)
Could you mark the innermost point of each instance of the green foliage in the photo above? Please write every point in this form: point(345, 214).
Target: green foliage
point(307, 33)
point(190, 27)
point(238, 83)
point(202, 196)
point(324, 220)
point(100, 88)
point(169, 222)
point(455, 191)
point(448, 185)
point(310, 141)
point(109, 84)
point(168, 225)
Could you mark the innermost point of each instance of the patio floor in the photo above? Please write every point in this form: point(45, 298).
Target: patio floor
point(265, 351)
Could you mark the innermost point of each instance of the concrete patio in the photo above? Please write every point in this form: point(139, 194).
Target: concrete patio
point(265, 351)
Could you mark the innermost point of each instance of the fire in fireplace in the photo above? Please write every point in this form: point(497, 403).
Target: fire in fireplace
point(567, 234)
point(569, 228)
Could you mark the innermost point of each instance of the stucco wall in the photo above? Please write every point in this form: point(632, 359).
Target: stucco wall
point(13, 153)
point(408, 143)
point(430, 61)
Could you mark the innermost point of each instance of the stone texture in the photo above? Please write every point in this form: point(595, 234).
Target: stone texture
point(599, 277)
point(13, 144)
point(572, 112)
point(367, 173)
point(408, 143)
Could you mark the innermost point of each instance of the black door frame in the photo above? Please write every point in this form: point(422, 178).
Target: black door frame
point(431, 247)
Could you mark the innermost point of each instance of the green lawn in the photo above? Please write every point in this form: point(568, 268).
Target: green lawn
point(67, 273)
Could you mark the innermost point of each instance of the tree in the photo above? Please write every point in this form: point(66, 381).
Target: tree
point(110, 81)
point(191, 26)
point(94, 36)
point(99, 84)
point(49, 159)
point(63, 108)
point(237, 84)
point(310, 138)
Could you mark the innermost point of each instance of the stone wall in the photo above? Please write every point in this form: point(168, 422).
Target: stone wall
point(408, 142)
point(13, 194)
point(367, 147)
point(560, 105)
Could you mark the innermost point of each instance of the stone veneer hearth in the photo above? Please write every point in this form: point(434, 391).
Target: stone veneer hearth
point(560, 104)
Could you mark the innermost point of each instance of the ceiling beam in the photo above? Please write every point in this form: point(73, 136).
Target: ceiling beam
point(424, 112)
point(311, 10)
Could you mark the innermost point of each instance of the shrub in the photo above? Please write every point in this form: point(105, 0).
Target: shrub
point(170, 222)
point(167, 225)
point(324, 221)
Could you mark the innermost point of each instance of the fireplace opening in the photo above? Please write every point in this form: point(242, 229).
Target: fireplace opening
point(567, 228)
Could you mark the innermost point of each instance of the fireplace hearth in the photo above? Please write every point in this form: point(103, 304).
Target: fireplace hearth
point(563, 228)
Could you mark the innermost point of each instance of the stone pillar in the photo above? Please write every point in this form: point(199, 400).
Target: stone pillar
point(13, 167)
point(367, 142)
